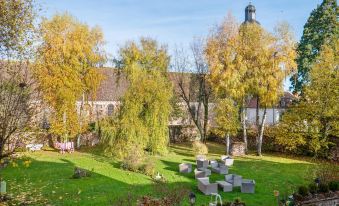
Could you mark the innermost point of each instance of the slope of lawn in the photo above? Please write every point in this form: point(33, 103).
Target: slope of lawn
point(47, 178)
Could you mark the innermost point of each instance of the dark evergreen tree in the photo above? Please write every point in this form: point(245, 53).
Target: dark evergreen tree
point(321, 26)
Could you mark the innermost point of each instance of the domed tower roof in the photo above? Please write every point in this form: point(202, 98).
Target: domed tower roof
point(250, 8)
point(250, 15)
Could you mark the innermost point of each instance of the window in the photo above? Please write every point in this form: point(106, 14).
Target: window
point(193, 111)
point(110, 109)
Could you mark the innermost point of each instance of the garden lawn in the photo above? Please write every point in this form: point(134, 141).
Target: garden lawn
point(47, 179)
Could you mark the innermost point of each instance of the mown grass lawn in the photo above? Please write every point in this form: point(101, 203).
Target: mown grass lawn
point(48, 177)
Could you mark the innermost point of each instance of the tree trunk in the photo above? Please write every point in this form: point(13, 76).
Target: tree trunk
point(4, 154)
point(261, 134)
point(257, 113)
point(244, 126)
point(228, 144)
point(257, 118)
point(201, 132)
point(65, 139)
point(205, 120)
point(2, 147)
point(81, 119)
point(78, 141)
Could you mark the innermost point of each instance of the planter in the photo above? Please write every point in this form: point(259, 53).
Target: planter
point(3, 187)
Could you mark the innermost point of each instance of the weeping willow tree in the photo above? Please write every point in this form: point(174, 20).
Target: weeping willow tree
point(142, 122)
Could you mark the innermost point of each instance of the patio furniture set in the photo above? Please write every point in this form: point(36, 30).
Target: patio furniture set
point(64, 147)
point(206, 167)
point(34, 147)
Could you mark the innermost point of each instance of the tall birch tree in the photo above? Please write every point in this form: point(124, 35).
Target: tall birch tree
point(248, 61)
point(65, 68)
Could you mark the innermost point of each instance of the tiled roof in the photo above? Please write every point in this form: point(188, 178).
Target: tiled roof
point(113, 86)
point(287, 98)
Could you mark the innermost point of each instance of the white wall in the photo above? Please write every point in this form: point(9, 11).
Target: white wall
point(273, 115)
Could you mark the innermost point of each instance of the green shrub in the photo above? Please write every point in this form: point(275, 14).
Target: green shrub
point(199, 148)
point(46, 148)
point(238, 202)
point(148, 168)
point(303, 191)
point(327, 172)
point(323, 187)
point(80, 173)
point(132, 161)
point(20, 149)
point(313, 188)
point(334, 186)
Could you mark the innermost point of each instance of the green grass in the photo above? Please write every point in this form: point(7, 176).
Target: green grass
point(48, 177)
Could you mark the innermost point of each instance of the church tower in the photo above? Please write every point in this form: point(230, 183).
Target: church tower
point(250, 16)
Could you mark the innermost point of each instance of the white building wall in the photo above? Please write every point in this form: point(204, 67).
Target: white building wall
point(100, 108)
point(273, 115)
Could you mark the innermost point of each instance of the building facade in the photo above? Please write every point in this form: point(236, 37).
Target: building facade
point(107, 99)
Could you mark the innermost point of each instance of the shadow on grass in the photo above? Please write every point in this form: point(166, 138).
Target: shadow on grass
point(108, 184)
point(98, 154)
point(59, 188)
point(269, 176)
point(181, 153)
point(189, 161)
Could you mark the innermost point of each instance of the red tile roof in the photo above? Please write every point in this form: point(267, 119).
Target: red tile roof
point(285, 101)
point(114, 85)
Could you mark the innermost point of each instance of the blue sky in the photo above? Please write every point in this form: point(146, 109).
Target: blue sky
point(174, 22)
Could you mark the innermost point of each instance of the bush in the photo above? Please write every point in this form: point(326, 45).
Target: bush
point(20, 149)
point(167, 196)
point(46, 148)
point(323, 187)
point(132, 161)
point(327, 173)
point(297, 197)
point(199, 148)
point(313, 188)
point(148, 168)
point(303, 191)
point(238, 202)
point(80, 173)
point(333, 186)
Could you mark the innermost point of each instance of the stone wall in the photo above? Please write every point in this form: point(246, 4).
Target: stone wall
point(324, 202)
point(179, 133)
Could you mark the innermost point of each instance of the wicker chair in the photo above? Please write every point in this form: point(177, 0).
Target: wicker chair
point(228, 161)
point(234, 179)
point(247, 186)
point(185, 168)
point(206, 187)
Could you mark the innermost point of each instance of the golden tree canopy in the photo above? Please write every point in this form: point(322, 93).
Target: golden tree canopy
point(66, 57)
